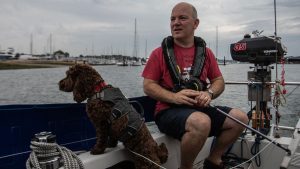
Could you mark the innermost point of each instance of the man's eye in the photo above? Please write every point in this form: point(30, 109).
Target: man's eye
point(183, 18)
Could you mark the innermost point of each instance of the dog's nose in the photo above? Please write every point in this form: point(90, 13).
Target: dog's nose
point(61, 85)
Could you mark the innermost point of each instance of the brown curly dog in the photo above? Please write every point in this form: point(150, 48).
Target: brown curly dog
point(112, 116)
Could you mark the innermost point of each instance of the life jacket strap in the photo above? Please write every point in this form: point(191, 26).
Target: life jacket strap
point(174, 69)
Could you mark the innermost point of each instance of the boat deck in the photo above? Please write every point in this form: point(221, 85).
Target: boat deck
point(118, 154)
point(293, 161)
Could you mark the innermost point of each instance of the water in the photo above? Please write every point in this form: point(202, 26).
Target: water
point(35, 86)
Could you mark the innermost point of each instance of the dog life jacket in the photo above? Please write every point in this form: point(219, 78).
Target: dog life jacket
point(174, 69)
point(121, 108)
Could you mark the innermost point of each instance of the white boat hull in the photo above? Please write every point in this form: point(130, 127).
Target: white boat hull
point(271, 157)
point(118, 154)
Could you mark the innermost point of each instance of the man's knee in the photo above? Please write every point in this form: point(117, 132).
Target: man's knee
point(198, 122)
point(240, 115)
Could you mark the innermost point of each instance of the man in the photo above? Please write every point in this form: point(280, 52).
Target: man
point(185, 114)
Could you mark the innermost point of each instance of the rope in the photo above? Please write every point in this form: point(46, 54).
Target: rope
point(258, 153)
point(279, 98)
point(27, 152)
point(137, 154)
point(43, 152)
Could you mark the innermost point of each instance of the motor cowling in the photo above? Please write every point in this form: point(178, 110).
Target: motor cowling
point(261, 50)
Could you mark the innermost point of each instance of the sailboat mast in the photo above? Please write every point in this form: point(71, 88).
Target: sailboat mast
point(50, 43)
point(146, 54)
point(217, 42)
point(135, 40)
point(31, 44)
point(275, 36)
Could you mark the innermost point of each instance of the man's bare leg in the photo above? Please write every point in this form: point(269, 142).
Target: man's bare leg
point(231, 131)
point(197, 130)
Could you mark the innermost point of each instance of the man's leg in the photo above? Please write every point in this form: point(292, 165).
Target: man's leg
point(197, 129)
point(230, 132)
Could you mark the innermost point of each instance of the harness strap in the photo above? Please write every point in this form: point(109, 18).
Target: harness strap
point(168, 51)
point(200, 55)
point(121, 108)
point(174, 69)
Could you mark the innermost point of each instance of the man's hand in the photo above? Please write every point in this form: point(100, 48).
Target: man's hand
point(186, 96)
point(203, 99)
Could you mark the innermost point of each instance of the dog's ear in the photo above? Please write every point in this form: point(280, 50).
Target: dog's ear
point(84, 83)
point(79, 92)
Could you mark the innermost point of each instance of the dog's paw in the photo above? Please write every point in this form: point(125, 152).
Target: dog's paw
point(96, 150)
point(112, 144)
point(163, 153)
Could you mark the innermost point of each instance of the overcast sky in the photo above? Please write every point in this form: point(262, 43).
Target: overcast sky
point(107, 26)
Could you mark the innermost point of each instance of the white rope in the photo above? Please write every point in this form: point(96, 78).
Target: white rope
point(27, 152)
point(146, 159)
point(254, 155)
point(52, 151)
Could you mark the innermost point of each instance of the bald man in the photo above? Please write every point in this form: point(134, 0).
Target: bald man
point(185, 114)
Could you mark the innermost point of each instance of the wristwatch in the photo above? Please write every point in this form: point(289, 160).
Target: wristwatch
point(211, 93)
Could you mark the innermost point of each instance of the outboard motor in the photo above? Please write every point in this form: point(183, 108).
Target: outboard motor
point(260, 50)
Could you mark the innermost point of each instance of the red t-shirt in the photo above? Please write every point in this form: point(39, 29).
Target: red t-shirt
point(157, 70)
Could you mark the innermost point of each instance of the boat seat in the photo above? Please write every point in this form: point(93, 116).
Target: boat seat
point(113, 156)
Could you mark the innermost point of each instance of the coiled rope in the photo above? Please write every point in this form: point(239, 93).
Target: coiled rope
point(42, 151)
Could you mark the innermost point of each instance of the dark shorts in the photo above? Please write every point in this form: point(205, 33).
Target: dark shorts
point(172, 121)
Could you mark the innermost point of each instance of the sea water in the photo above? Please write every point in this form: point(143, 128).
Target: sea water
point(40, 86)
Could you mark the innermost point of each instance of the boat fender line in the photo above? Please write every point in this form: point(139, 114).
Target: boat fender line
point(137, 154)
point(47, 154)
point(253, 130)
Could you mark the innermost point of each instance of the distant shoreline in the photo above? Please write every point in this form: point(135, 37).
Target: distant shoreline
point(32, 64)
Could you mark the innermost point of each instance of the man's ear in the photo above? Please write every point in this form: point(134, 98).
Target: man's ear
point(196, 23)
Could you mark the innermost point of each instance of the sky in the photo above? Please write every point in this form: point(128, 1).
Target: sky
point(96, 27)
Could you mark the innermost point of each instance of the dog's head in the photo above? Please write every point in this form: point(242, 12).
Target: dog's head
point(81, 80)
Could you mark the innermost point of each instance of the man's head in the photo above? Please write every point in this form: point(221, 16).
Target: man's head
point(184, 21)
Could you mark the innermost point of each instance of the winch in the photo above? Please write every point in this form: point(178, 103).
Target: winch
point(44, 150)
point(47, 154)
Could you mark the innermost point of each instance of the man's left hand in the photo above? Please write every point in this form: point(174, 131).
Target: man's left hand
point(203, 99)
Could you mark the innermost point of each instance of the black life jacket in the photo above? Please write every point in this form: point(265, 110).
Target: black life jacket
point(174, 69)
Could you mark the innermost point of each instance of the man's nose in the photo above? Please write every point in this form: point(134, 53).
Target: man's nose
point(176, 21)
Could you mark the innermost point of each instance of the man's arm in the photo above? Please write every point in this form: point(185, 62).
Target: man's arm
point(154, 90)
point(217, 86)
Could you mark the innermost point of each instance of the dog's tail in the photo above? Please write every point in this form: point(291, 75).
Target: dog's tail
point(163, 153)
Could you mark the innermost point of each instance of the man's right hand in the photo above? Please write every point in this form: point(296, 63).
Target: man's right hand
point(183, 97)
point(186, 96)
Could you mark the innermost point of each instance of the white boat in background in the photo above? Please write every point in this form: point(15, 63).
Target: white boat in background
point(7, 54)
point(144, 61)
point(136, 63)
point(124, 62)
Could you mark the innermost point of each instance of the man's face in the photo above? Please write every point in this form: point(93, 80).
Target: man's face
point(182, 22)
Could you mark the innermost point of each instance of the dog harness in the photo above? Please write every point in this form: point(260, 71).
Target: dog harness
point(121, 108)
point(174, 69)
